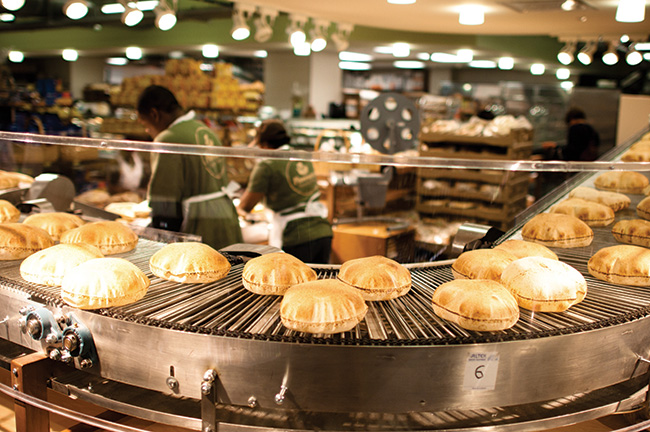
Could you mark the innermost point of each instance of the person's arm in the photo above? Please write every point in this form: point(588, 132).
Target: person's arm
point(258, 185)
point(248, 201)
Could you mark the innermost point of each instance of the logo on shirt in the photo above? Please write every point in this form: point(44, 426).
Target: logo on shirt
point(301, 177)
point(213, 164)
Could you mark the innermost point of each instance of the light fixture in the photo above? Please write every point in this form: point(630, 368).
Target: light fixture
point(568, 5)
point(586, 54)
point(16, 56)
point(319, 35)
point(303, 49)
point(132, 15)
point(295, 30)
point(565, 56)
point(401, 2)
point(642, 46)
point(408, 64)
point(423, 56)
point(537, 69)
point(176, 54)
point(133, 53)
point(633, 57)
point(75, 9)
point(625, 38)
point(353, 66)
point(566, 85)
point(401, 49)
point(630, 11)
point(646, 56)
point(165, 15)
point(264, 24)
point(341, 37)
point(261, 54)
point(482, 64)
point(562, 74)
point(70, 55)
point(465, 55)
point(440, 57)
point(471, 15)
point(348, 56)
point(13, 5)
point(506, 63)
point(240, 14)
point(117, 61)
point(610, 57)
point(7, 17)
point(210, 51)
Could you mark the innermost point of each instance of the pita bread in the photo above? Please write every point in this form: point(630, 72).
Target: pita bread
point(377, 277)
point(8, 212)
point(613, 200)
point(632, 231)
point(109, 236)
point(19, 241)
point(622, 181)
point(482, 264)
point(621, 264)
point(49, 266)
point(478, 304)
point(322, 306)
point(592, 213)
point(104, 282)
point(544, 285)
point(643, 208)
point(275, 273)
point(54, 223)
point(189, 262)
point(557, 230)
point(523, 248)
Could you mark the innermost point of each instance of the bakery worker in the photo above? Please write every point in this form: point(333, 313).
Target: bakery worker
point(582, 139)
point(187, 193)
point(289, 188)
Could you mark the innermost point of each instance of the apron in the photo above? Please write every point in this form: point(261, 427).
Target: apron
point(197, 200)
point(313, 208)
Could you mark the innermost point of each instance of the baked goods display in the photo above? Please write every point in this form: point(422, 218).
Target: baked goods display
point(275, 273)
point(322, 306)
point(189, 262)
point(621, 264)
point(19, 241)
point(376, 277)
point(94, 197)
point(632, 231)
point(543, 284)
point(7, 181)
point(557, 230)
point(129, 210)
point(55, 223)
point(614, 200)
point(523, 248)
point(630, 182)
point(643, 208)
point(104, 282)
point(109, 236)
point(482, 264)
point(477, 304)
point(49, 266)
point(592, 213)
point(8, 212)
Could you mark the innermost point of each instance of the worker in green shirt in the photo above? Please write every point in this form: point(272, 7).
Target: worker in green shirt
point(187, 193)
point(289, 188)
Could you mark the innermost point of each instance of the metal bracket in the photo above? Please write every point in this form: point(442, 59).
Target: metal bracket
point(208, 401)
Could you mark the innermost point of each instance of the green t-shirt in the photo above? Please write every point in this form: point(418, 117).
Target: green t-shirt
point(287, 184)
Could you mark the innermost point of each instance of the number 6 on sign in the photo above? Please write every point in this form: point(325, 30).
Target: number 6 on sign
point(481, 371)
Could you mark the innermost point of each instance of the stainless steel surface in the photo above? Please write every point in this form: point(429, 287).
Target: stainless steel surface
point(56, 189)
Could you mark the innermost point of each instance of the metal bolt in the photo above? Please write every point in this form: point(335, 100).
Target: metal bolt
point(210, 375)
point(62, 320)
point(279, 398)
point(15, 372)
point(66, 357)
point(172, 383)
point(51, 338)
point(206, 388)
point(86, 363)
point(252, 401)
point(55, 354)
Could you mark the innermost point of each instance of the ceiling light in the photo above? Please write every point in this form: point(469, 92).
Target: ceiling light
point(13, 5)
point(642, 46)
point(646, 56)
point(401, 49)
point(348, 56)
point(16, 56)
point(117, 61)
point(586, 54)
point(264, 24)
point(565, 56)
point(75, 9)
point(467, 87)
point(132, 15)
point(610, 57)
point(240, 15)
point(134, 53)
point(261, 54)
point(506, 63)
point(295, 30)
point(439, 57)
point(176, 54)
point(471, 15)
point(423, 56)
point(625, 38)
point(165, 16)
point(566, 85)
point(630, 11)
point(537, 69)
point(465, 55)
point(401, 2)
point(303, 49)
point(341, 37)
point(562, 74)
point(353, 66)
point(118, 8)
point(408, 64)
point(483, 64)
point(633, 57)
point(210, 51)
point(568, 5)
point(70, 55)
point(318, 35)
point(7, 17)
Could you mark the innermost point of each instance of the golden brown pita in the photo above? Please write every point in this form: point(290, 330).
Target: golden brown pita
point(523, 248)
point(8, 212)
point(622, 264)
point(55, 223)
point(109, 236)
point(622, 181)
point(19, 241)
point(377, 277)
point(557, 230)
point(274, 273)
point(614, 200)
point(189, 262)
point(49, 266)
point(591, 213)
point(632, 231)
point(481, 264)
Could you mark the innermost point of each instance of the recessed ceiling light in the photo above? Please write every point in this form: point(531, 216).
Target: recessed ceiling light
point(408, 64)
point(537, 69)
point(210, 51)
point(506, 63)
point(401, 49)
point(440, 57)
point(562, 73)
point(471, 15)
point(483, 64)
point(16, 56)
point(354, 57)
point(134, 53)
point(70, 55)
point(630, 11)
point(7, 17)
point(401, 2)
point(465, 55)
point(350, 65)
point(12, 5)
point(261, 54)
point(117, 61)
point(75, 9)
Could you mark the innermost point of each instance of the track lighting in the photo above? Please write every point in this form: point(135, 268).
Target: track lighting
point(133, 53)
point(303, 49)
point(562, 74)
point(12, 5)
point(75, 9)
point(586, 54)
point(319, 35)
point(131, 16)
point(610, 57)
point(210, 51)
point(401, 49)
point(633, 57)
point(296, 31)
point(240, 14)
point(16, 56)
point(506, 63)
point(565, 56)
point(264, 24)
point(165, 15)
point(537, 69)
point(471, 15)
point(70, 55)
point(341, 37)
point(630, 11)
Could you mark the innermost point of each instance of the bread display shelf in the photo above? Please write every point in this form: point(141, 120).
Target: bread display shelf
point(508, 193)
point(484, 176)
point(515, 137)
point(478, 211)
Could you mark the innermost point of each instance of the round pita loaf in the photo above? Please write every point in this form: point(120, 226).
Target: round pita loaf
point(591, 213)
point(632, 231)
point(482, 264)
point(377, 277)
point(109, 236)
point(523, 248)
point(614, 200)
point(622, 181)
point(557, 230)
point(19, 241)
point(8, 212)
point(189, 262)
point(621, 264)
point(55, 223)
point(275, 273)
point(49, 266)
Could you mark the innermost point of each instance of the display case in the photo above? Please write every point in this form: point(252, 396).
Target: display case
point(214, 355)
